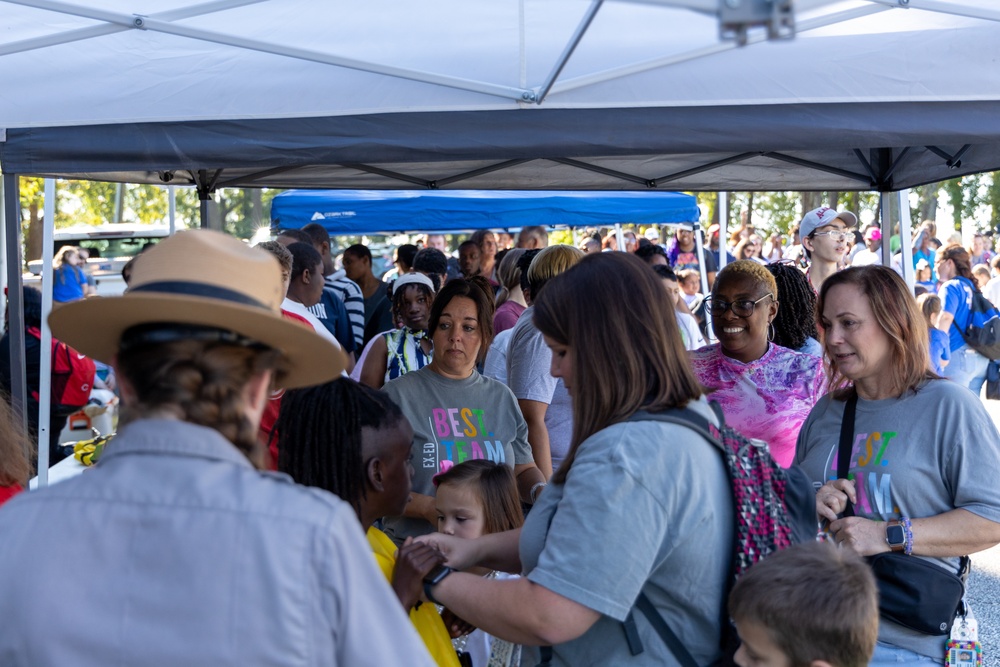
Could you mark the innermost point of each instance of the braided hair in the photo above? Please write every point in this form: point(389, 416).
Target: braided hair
point(200, 382)
point(319, 435)
point(796, 318)
point(398, 298)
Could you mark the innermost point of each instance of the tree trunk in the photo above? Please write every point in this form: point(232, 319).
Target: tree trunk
point(256, 207)
point(810, 201)
point(33, 239)
point(927, 203)
point(834, 200)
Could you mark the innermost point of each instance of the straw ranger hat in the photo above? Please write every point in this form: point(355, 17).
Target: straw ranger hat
point(207, 279)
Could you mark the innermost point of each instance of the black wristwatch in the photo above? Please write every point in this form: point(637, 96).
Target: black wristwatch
point(433, 578)
point(895, 536)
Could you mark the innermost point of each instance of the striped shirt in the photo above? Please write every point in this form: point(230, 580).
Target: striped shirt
point(354, 302)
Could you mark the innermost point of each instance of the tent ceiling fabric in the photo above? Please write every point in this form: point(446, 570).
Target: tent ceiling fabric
point(497, 94)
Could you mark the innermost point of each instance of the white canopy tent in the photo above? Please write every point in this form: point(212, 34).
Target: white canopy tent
point(493, 94)
point(511, 94)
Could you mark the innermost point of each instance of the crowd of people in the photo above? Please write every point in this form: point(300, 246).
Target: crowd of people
point(481, 416)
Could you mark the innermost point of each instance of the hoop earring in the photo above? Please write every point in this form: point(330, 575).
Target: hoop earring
point(770, 332)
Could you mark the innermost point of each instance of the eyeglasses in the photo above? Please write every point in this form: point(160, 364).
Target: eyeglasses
point(743, 308)
point(834, 236)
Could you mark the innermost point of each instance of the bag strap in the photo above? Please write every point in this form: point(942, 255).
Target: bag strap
point(700, 425)
point(673, 642)
point(844, 464)
point(844, 450)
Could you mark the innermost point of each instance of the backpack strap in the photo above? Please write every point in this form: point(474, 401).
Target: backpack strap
point(685, 417)
point(672, 641)
point(699, 424)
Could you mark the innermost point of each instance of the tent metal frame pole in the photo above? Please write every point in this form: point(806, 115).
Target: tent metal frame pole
point(569, 162)
point(723, 205)
point(92, 32)
point(706, 167)
point(820, 167)
point(172, 208)
point(15, 299)
point(567, 85)
point(906, 261)
point(45, 434)
point(943, 8)
point(138, 22)
point(567, 53)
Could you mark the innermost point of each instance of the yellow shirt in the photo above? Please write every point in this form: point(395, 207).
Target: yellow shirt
point(425, 619)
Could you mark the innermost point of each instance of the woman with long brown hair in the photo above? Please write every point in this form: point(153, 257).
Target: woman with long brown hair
point(638, 507)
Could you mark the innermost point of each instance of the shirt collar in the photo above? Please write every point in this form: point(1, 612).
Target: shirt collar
point(174, 437)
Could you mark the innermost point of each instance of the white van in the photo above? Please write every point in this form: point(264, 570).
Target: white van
point(109, 246)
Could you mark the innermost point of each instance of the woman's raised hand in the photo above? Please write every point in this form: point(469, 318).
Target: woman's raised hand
point(459, 553)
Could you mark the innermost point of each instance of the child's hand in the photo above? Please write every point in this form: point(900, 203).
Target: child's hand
point(456, 626)
point(413, 562)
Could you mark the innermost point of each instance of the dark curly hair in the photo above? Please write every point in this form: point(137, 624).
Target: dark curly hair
point(796, 318)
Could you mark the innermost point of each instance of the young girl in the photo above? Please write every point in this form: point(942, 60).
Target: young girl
point(930, 304)
point(476, 498)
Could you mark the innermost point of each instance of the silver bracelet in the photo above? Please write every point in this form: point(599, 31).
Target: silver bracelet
point(533, 494)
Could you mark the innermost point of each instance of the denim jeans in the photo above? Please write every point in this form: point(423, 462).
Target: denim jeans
point(887, 655)
point(968, 368)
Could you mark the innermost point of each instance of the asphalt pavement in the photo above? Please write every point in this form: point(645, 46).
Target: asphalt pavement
point(984, 586)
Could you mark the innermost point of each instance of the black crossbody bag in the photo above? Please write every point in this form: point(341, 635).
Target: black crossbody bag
point(912, 592)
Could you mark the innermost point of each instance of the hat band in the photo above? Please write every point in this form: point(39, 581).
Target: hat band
point(203, 290)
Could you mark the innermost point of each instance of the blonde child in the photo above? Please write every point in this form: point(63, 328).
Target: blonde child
point(473, 499)
point(930, 304)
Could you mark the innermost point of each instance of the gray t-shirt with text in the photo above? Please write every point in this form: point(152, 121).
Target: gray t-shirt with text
point(454, 421)
point(924, 454)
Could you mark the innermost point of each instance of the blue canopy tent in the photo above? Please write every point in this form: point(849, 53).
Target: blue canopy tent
point(394, 211)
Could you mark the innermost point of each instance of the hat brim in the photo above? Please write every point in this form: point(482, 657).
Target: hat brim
point(848, 217)
point(94, 327)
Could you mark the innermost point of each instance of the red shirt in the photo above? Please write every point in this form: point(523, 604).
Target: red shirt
point(273, 407)
point(8, 492)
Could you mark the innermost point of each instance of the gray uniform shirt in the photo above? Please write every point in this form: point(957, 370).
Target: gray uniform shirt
point(173, 550)
point(646, 507)
point(924, 454)
point(528, 376)
point(454, 421)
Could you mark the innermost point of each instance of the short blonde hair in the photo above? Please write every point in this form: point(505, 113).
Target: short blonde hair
point(748, 268)
point(549, 263)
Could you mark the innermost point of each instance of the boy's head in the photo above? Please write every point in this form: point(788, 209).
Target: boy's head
point(811, 605)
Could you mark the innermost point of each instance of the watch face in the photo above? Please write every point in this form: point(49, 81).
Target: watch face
point(895, 535)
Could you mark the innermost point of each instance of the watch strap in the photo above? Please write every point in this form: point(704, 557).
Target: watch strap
point(434, 578)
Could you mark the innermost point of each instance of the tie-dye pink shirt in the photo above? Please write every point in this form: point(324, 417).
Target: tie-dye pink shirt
point(767, 399)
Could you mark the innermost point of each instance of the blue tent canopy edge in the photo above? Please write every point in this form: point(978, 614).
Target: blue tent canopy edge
point(356, 212)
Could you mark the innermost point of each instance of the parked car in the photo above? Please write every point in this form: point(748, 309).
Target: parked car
point(109, 247)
